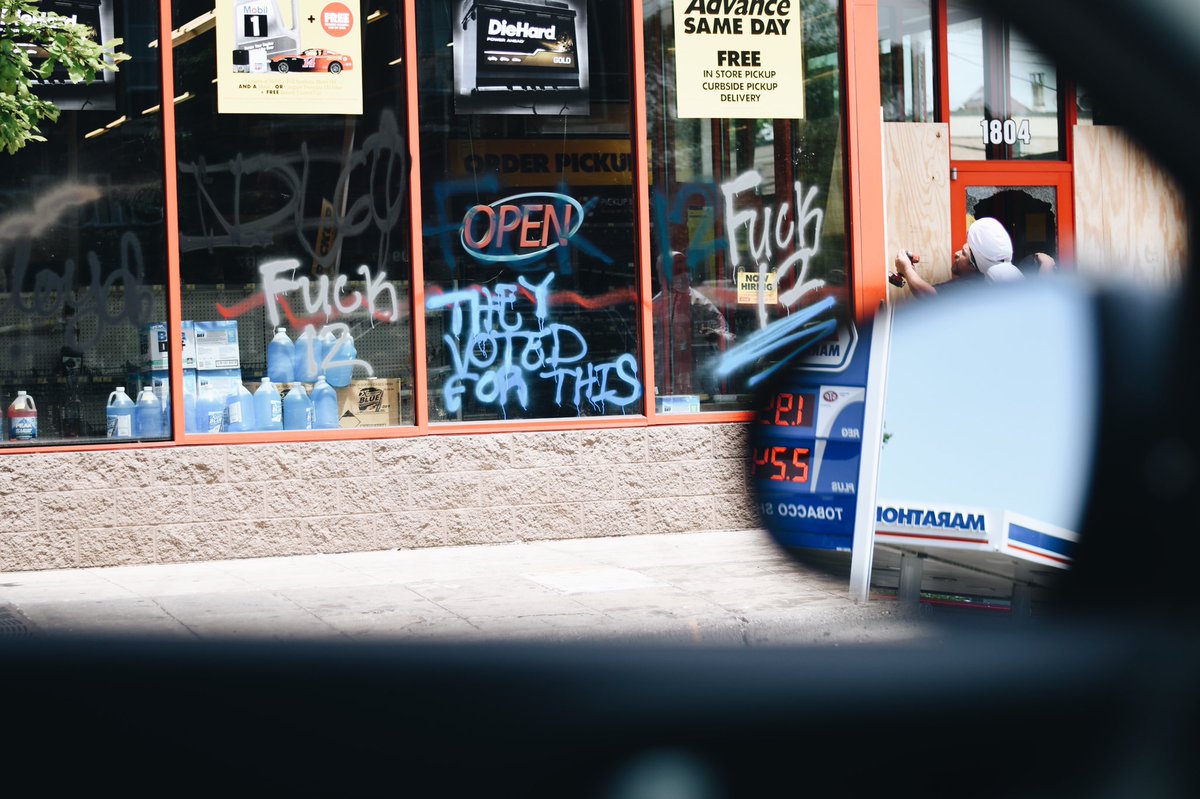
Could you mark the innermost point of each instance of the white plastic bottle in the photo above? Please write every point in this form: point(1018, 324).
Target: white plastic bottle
point(210, 409)
point(297, 409)
point(325, 405)
point(308, 356)
point(148, 415)
point(281, 358)
point(268, 407)
point(119, 414)
point(341, 366)
point(239, 410)
point(22, 418)
point(326, 343)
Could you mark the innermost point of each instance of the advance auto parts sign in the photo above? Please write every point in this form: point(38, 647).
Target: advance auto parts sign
point(289, 57)
point(739, 59)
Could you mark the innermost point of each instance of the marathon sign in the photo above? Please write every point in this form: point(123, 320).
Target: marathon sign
point(910, 522)
point(532, 163)
point(920, 517)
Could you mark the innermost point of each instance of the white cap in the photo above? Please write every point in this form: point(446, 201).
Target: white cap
point(990, 244)
point(1003, 272)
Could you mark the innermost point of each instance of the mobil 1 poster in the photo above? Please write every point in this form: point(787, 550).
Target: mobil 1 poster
point(289, 57)
point(521, 57)
point(739, 59)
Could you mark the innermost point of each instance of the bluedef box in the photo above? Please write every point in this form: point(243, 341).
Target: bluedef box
point(373, 402)
point(157, 354)
point(217, 346)
point(160, 382)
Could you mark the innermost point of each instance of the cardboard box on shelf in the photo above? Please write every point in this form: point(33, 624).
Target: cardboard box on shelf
point(217, 345)
point(160, 382)
point(372, 402)
point(158, 348)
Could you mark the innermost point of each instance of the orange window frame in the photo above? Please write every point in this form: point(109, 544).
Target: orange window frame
point(867, 288)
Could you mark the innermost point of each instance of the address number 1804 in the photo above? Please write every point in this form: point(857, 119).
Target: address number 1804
point(1005, 131)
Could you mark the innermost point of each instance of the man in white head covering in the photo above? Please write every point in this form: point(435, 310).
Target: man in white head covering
point(987, 253)
point(988, 250)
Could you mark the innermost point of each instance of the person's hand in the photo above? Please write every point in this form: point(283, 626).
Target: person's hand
point(905, 265)
point(1044, 262)
point(908, 275)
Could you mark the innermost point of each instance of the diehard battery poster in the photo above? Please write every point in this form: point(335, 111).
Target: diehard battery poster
point(521, 57)
point(289, 57)
point(739, 59)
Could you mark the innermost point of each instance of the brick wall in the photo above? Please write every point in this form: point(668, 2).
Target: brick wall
point(212, 502)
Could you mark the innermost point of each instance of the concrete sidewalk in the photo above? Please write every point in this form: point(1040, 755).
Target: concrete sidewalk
point(725, 588)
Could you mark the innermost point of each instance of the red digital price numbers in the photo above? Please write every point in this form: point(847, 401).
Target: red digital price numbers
point(788, 409)
point(788, 464)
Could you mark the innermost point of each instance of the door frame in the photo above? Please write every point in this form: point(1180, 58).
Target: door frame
point(1057, 174)
point(1035, 172)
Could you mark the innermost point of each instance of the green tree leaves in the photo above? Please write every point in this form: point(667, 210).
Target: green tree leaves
point(27, 32)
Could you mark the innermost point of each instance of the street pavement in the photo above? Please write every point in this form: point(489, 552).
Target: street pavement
point(720, 588)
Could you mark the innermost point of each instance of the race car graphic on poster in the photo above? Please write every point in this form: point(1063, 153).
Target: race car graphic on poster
point(521, 57)
point(304, 58)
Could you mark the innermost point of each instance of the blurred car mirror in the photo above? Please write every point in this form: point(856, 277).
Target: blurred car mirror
point(980, 464)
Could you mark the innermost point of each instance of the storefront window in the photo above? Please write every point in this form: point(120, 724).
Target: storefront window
point(293, 205)
point(748, 230)
point(527, 200)
point(906, 65)
point(83, 250)
point(1004, 100)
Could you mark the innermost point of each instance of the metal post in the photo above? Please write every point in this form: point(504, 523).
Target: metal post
point(863, 546)
point(1022, 600)
point(911, 566)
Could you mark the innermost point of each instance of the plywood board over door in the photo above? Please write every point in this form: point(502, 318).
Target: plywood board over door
point(1129, 215)
point(916, 163)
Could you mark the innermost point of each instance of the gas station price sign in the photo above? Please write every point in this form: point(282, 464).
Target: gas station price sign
point(806, 449)
point(786, 464)
point(788, 409)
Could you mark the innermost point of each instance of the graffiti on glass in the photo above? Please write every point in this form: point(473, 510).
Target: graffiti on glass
point(780, 241)
point(379, 163)
point(498, 348)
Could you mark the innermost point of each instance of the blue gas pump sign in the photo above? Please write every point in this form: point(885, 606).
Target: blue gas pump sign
point(807, 445)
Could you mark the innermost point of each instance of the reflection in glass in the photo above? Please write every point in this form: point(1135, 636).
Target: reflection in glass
point(906, 65)
point(1004, 101)
point(736, 204)
point(968, 83)
point(299, 222)
point(82, 244)
point(988, 417)
point(528, 205)
point(989, 401)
